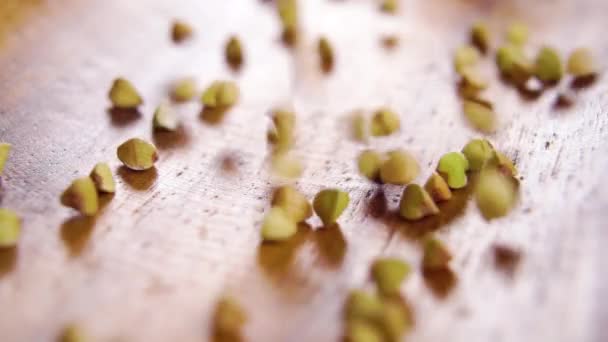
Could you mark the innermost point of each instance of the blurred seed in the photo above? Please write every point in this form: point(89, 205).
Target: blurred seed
point(517, 34)
point(363, 305)
point(400, 168)
point(234, 52)
point(581, 63)
point(329, 205)
point(103, 179)
point(359, 127)
point(287, 166)
point(453, 167)
point(495, 193)
point(388, 274)
point(124, 95)
point(390, 42)
point(436, 254)
point(72, 333)
point(5, 148)
point(464, 57)
point(184, 90)
point(359, 330)
point(180, 31)
point(389, 6)
point(288, 13)
point(478, 152)
point(228, 320)
point(282, 132)
point(472, 83)
point(480, 36)
point(480, 116)
point(220, 94)
point(503, 164)
point(548, 65)
point(384, 122)
point(82, 196)
point(137, 154)
point(278, 225)
point(416, 203)
point(326, 54)
point(369, 163)
point(10, 228)
point(395, 320)
point(513, 63)
point(293, 202)
point(164, 118)
point(437, 187)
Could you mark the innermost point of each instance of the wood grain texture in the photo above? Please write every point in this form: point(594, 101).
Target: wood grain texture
point(171, 240)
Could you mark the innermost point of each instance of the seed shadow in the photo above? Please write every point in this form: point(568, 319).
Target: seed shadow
point(583, 81)
point(222, 336)
point(123, 116)
point(528, 94)
point(289, 38)
point(327, 67)
point(76, 232)
point(331, 245)
point(440, 281)
point(506, 259)
point(563, 101)
point(276, 258)
point(171, 139)
point(8, 260)
point(138, 180)
point(229, 162)
point(213, 116)
point(377, 205)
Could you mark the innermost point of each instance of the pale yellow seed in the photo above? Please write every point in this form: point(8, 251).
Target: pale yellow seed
point(5, 148)
point(329, 204)
point(103, 179)
point(363, 305)
point(369, 163)
point(137, 154)
point(438, 188)
point(464, 57)
point(286, 165)
point(164, 118)
point(581, 63)
point(400, 168)
point(293, 202)
point(220, 94)
point(278, 225)
point(82, 196)
point(436, 254)
point(416, 203)
point(384, 122)
point(481, 117)
point(359, 330)
point(10, 228)
point(517, 34)
point(124, 95)
point(495, 193)
point(184, 90)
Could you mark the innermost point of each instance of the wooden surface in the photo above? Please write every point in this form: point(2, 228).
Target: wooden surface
point(173, 239)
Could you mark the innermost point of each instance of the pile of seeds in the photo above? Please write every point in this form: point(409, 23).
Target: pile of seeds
point(381, 314)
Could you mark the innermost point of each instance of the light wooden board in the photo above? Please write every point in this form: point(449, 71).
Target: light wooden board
point(172, 240)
